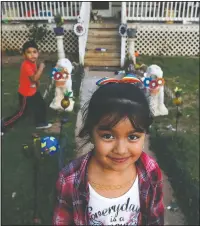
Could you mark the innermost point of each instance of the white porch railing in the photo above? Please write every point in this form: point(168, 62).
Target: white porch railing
point(39, 10)
point(85, 19)
point(163, 11)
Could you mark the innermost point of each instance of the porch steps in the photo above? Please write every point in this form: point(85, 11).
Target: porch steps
point(112, 40)
point(95, 54)
point(111, 47)
point(105, 62)
point(103, 35)
point(105, 24)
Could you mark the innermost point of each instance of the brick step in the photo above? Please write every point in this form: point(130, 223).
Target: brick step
point(107, 62)
point(103, 25)
point(95, 54)
point(102, 40)
point(103, 33)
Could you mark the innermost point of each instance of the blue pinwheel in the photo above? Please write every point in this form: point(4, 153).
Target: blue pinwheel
point(147, 82)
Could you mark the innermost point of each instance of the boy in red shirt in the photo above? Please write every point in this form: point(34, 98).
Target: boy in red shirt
point(29, 97)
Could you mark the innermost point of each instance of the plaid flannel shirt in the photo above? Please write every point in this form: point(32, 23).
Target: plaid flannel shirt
point(73, 193)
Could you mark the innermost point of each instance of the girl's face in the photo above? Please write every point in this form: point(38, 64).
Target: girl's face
point(118, 148)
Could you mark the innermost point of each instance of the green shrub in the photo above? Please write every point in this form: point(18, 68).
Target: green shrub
point(36, 32)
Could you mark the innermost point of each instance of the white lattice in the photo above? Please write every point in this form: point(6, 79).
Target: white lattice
point(14, 36)
point(167, 39)
point(152, 39)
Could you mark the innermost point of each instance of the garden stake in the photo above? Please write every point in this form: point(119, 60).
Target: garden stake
point(176, 119)
point(37, 153)
point(177, 101)
point(60, 155)
point(26, 151)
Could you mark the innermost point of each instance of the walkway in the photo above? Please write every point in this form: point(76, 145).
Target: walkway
point(88, 86)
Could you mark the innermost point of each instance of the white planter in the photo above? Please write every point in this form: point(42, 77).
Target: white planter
point(131, 49)
point(60, 47)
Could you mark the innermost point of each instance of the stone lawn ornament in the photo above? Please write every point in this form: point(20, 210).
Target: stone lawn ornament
point(154, 83)
point(63, 82)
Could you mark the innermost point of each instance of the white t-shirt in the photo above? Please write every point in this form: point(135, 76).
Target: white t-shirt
point(123, 210)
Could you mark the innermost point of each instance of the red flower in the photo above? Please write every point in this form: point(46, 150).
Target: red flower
point(160, 81)
point(153, 84)
point(57, 76)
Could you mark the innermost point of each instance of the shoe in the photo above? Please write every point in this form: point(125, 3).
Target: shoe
point(44, 126)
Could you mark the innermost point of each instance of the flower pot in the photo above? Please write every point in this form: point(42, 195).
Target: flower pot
point(59, 31)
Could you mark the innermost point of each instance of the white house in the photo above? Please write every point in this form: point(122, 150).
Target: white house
point(163, 28)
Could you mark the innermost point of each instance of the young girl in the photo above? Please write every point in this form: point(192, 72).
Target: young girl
point(116, 183)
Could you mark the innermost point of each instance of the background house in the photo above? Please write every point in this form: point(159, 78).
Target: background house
point(163, 28)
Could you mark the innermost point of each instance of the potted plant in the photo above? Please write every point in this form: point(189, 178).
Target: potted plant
point(59, 30)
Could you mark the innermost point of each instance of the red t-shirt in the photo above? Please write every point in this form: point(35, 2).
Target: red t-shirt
point(26, 87)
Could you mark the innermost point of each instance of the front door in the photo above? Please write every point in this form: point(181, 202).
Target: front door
point(104, 8)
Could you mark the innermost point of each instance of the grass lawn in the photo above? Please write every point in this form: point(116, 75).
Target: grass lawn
point(17, 170)
point(179, 156)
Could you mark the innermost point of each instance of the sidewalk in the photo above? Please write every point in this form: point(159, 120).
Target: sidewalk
point(88, 86)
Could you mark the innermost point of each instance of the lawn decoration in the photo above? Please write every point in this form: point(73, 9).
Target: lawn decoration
point(136, 68)
point(65, 102)
point(154, 83)
point(61, 74)
point(177, 100)
point(49, 145)
point(79, 28)
point(123, 30)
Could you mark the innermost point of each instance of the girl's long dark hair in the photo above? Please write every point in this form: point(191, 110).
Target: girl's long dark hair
point(112, 102)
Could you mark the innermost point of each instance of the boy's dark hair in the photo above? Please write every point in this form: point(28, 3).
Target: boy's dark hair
point(113, 102)
point(29, 44)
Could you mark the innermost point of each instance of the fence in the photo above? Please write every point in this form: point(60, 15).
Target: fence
point(39, 10)
point(163, 11)
point(166, 40)
point(13, 37)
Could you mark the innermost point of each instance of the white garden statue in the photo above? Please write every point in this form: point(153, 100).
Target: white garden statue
point(155, 90)
point(61, 74)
